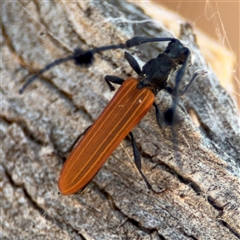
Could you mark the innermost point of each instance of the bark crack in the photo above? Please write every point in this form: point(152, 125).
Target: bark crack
point(34, 204)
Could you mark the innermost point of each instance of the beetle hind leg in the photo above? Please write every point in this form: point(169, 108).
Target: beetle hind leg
point(137, 161)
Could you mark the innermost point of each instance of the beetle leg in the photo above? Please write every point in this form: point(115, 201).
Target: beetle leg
point(113, 79)
point(159, 116)
point(137, 160)
point(133, 63)
point(195, 76)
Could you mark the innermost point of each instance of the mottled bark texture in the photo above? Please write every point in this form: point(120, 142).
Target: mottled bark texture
point(199, 193)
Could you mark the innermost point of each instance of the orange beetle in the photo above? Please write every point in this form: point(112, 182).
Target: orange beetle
point(131, 102)
point(121, 115)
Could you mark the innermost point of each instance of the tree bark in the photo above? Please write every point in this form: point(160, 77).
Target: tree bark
point(199, 193)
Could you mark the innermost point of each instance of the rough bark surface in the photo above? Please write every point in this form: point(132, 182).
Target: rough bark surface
point(200, 197)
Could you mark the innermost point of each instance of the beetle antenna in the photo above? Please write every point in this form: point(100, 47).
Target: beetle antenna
point(81, 57)
point(50, 65)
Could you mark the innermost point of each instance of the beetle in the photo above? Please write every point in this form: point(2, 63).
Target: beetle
point(131, 102)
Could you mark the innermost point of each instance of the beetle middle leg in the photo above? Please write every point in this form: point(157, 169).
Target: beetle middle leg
point(113, 79)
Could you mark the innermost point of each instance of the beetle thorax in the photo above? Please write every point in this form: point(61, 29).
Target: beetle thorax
point(156, 72)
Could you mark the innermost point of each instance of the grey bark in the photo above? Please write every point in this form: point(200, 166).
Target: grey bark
point(199, 193)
